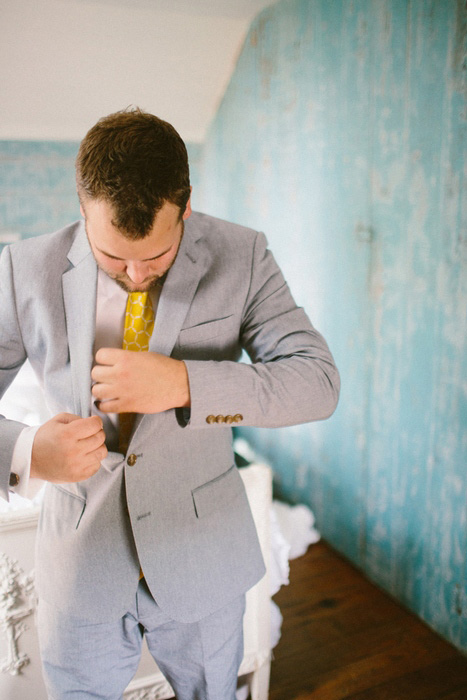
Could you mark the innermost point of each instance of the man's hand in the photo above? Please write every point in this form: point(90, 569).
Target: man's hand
point(139, 382)
point(68, 448)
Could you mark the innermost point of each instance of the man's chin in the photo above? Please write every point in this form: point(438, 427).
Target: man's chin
point(130, 287)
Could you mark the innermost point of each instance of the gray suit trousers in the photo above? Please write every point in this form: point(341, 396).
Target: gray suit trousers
point(84, 660)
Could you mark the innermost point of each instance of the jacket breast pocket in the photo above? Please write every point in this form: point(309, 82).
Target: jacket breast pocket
point(213, 340)
point(205, 331)
point(215, 494)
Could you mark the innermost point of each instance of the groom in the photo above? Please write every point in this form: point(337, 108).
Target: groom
point(135, 321)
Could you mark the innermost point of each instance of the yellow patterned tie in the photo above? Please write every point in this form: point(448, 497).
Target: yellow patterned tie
point(139, 324)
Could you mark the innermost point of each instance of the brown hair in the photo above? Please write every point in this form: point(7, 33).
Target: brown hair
point(136, 162)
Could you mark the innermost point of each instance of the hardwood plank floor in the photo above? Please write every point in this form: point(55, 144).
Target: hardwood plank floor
point(344, 639)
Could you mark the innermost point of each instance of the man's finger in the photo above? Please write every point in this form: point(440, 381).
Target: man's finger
point(93, 442)
point(95, 455)
point(108, 356)
point(100, 373)
point(103, 392)
point(110, 406)
point(85, 427)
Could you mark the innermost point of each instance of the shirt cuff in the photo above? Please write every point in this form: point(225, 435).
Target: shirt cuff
point(21, 464)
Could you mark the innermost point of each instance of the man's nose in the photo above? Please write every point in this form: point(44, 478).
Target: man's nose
point(137, 271)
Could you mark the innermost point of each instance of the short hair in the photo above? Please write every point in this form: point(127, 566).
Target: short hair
point(136, 162)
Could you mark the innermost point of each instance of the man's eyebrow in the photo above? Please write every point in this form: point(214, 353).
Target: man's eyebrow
point(114, 257)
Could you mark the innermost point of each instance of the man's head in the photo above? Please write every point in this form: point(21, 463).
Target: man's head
point(135, 162)
point(134, 188)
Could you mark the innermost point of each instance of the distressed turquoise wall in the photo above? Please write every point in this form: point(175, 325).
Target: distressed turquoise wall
point(37, 186)
point(343, 135)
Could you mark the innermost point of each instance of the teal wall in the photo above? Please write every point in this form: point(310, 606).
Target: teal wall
point(343, 135)
point(37, 186)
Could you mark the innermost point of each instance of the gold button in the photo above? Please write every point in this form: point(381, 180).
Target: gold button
point(237, 418)
point(229, 419)
point(131, 461)
point(211, 419)
point(220, 419)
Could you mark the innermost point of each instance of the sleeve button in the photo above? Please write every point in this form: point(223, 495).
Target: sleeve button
point(14, 479)
point(237, 418)
point(220, 419)
point(229, 419)
point(211, 419)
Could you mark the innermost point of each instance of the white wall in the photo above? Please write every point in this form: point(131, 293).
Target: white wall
point(65, 63)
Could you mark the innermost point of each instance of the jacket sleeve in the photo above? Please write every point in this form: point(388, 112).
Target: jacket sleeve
point(12, 357)
point(292, 377)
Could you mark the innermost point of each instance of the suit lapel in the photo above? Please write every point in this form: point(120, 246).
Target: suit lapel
point(79, 294)
point(178, 292)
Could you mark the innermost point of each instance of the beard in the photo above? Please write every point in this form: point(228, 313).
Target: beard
point(152, 281)
point(145, 286)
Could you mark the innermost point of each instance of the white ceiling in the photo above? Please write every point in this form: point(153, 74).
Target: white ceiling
point(65, 63)
point(240, 9)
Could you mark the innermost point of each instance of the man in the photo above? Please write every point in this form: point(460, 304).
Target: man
point(134, 323)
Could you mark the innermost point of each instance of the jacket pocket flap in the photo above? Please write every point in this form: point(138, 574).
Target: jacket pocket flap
point(217, 492)
point(204, 331)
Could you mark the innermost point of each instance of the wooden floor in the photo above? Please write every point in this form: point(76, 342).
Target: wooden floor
point(343, 638)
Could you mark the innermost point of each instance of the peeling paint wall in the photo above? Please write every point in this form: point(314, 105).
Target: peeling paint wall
point(38, 189)
point(343, 135)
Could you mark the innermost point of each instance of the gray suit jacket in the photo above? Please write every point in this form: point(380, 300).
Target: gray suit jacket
point(178, 505)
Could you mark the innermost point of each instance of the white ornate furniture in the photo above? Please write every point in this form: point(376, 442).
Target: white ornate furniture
point(20, 674)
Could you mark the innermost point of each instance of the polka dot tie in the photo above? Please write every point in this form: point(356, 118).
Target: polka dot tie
point(139, 324)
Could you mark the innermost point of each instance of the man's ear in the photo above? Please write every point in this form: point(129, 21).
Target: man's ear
point(187, 212)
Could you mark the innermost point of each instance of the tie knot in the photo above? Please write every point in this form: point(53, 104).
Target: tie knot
point(138, 298)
